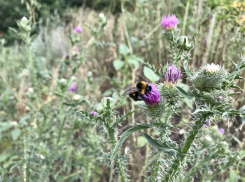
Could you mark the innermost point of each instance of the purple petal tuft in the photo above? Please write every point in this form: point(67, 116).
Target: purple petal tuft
point(73, 87)
point(221, 130)
point(170, 22)
point(153, 97)
point(78, 29)
point(172, 74)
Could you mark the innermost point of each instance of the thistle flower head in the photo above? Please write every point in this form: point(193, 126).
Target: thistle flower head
point(73, 87)
point(153, 97)
point(78, 29)
point(172, 75)
point(207, 123)
point(212, 68)
point(94, 113)
point(67, 56)
point(170, 22)
point(221, 130)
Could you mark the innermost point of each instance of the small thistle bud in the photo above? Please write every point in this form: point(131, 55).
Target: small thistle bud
point(216, 97)
point(170, 22)
point(102, 19)
point(207, 123)
point(153, 97)
point(24, 21)
point(73, 78)
point(67, 56)
point(172, 75)
point(155, 111)
point(221, 130)
point(30, 90)
point(210, 77)
point(208, 138)
point(89, 74)
point(98, 107)
point(24, 24)
point(183, 43)
point(75, 51)
point(78, 29)
point(62, 83)
point(170, 94)
point(76, 97)
point(94, 113)
point(73, 87)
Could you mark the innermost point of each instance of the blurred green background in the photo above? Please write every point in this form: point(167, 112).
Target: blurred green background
point(134, 26)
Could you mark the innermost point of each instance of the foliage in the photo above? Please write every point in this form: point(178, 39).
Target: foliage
point(50, 132)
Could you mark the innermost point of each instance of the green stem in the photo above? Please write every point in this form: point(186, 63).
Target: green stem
point(122, 175)
point(186, 16)
point(177, 163)
point(155, 170)
point(33, 70)
point(62, 120)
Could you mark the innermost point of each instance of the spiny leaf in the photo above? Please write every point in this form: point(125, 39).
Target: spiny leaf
point(184, 93)
point(187, 70)
point(125, 135)
point(162, 147)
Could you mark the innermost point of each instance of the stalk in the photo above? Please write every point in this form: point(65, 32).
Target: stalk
point(33, 70)
point(185, 17)
point(62, 120)
point(178, 163)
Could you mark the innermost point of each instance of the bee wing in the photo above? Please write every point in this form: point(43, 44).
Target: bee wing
point(129, 91)
point(129, 86)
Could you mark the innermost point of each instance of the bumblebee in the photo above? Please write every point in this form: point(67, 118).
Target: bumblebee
point(136, 91)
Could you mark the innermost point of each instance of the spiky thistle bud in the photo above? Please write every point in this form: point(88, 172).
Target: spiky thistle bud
point(215, 97)
point(172, 75)
point(210, 77)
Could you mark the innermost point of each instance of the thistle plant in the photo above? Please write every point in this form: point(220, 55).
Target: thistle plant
point(212, 85)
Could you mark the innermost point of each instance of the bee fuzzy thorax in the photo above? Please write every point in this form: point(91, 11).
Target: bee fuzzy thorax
point(142, 86)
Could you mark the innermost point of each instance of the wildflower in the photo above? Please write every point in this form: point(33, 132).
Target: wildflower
point(94, 113)
point(75, 51)
point(78, 29)
point(170, 22)
point(172, 75)
point(212, 68)
point(67, 56)
point(73, 87)
point(76, 97)
point(153, 97)
point(221, 130)
point(207, 123)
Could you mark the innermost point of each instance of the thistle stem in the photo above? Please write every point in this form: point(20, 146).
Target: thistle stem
point(62, 120)
point(177, 163)
point(33, 70)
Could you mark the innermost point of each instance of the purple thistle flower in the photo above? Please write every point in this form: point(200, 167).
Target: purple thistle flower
point(78, 29)
point(153, 97)
point(221, 130)
point(170, 22)
point(94, 113)
point(73, 87)
point(67, 56)
point(207, 123)
point(173, 74)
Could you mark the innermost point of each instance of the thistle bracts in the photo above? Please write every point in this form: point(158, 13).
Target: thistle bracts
point(215, 97)
point(209, 77)
point(169, 93)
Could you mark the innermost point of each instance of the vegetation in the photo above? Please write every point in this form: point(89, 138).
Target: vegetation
point(63, 68)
